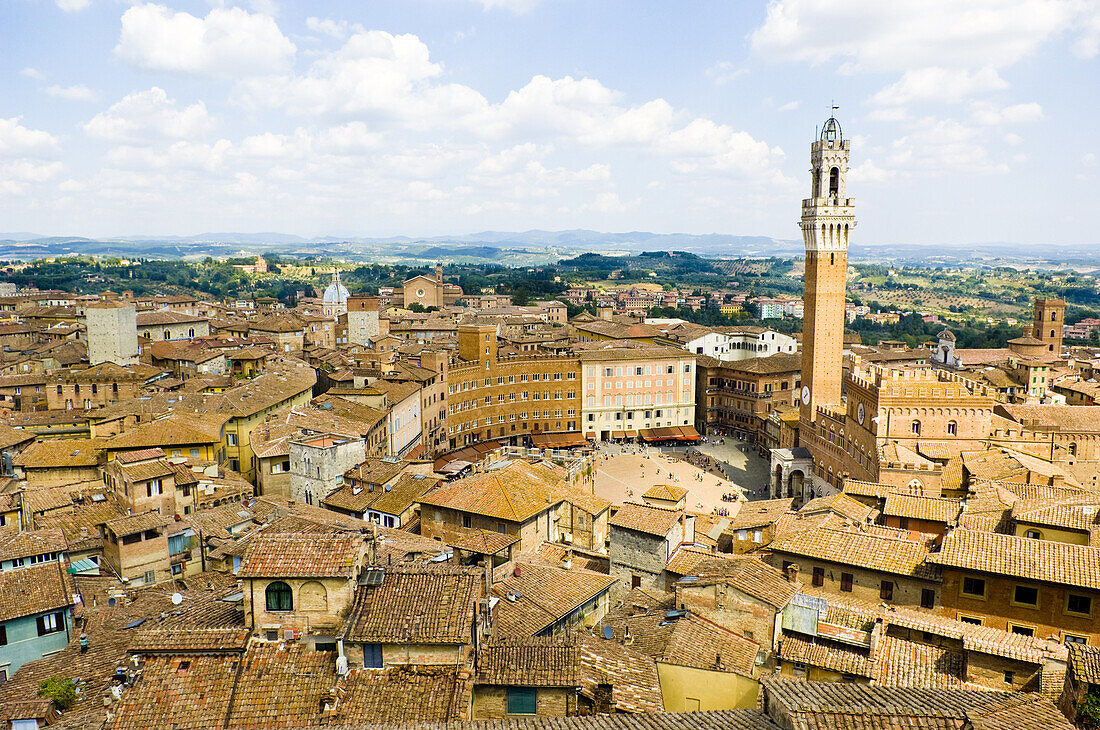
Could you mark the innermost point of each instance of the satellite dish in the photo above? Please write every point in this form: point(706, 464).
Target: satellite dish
point(608, 632)
point(177, 598)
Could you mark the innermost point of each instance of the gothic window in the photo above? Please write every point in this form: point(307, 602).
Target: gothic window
point(1073, 449)
point(915, 428)
point(952, 428)
point(834, 182)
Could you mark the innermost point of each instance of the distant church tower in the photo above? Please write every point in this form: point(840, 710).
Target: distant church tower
point(1049, 315)
point(828, 217)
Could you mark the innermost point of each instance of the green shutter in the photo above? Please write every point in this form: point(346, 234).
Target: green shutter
point(522, 700)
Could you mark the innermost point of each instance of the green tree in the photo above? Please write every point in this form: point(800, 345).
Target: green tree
point(62, 690)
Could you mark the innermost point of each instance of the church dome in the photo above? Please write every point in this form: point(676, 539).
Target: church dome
point(336, 293)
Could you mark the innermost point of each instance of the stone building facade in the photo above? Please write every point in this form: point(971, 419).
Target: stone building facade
point(112, 333)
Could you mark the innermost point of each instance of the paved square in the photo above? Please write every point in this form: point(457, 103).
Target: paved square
point(624, 473)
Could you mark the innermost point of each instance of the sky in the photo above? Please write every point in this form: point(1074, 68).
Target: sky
point(970, 121)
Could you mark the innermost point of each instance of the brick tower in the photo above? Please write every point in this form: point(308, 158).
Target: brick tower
point(828, 217)
point(1050, 315)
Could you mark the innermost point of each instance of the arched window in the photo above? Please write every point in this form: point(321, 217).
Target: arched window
point(952, 428)
point(279, 597)
point(1053, 316)
point(834, 182)
point(191, 332)
point(1073, 449)
point(915, 428)
point(167, 335)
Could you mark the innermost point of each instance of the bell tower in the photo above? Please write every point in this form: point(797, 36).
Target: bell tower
point(828, 217)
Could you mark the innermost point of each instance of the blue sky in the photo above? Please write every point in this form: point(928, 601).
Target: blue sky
point(971, 121)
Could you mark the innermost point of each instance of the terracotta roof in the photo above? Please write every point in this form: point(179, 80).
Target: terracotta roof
point(666, 492)
point(129, 457)
point(821, 705)
point(1021, 557)
point(825, 654)
point(32, 542)
point(394, 499)
point(934, 509)
point(1062, 418)
point(651, 520)
point(881, 549)
point(190, 640)
point(299, 555)
point(1085, 663)
point(840, 504)
point(1076, 513)
point(515, 493)
point(574, 660)
point(129, 525)
point(542, 595)
point(748, 574)
point(687, 641)
point(165, 316)
point(707, 720)
point(34, 589)
point(538, 661)
point(145, 470)
point(758, 514)
point(404, 694)
point(173, 430)
point(375, 470)
point(902, 663)
point(416, 606)
point(60, 453)
point(483, 542)
point(685, 559)
point(10, 437)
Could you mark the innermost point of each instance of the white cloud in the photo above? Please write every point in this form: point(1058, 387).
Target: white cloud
point(704, 146)
point(19, 141)
point(228, 42)
point(77, 92)
point(70, 6)
point(608, 203)
point(991, 115)
point(937, 84)
point(374, 72)
point(895, 36)
point(32, 73)
point(336, 29)
point(516, 6)
point(17, 177)
point(724, 72)
point(150, 115)
point(931, 147)
point(70, 186)
point(1089, 159)
point(1087, 44)
point(790, 106)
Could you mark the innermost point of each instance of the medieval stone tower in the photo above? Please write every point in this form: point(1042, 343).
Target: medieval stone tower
point(828, 217)
point(1049, 316)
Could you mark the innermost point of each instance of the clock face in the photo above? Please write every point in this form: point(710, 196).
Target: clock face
point(861, 413)
point(805, 394)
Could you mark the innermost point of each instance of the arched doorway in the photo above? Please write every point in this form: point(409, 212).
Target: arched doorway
point(794, 483)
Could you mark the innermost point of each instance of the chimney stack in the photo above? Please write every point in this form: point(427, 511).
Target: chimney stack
point(792, 573)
